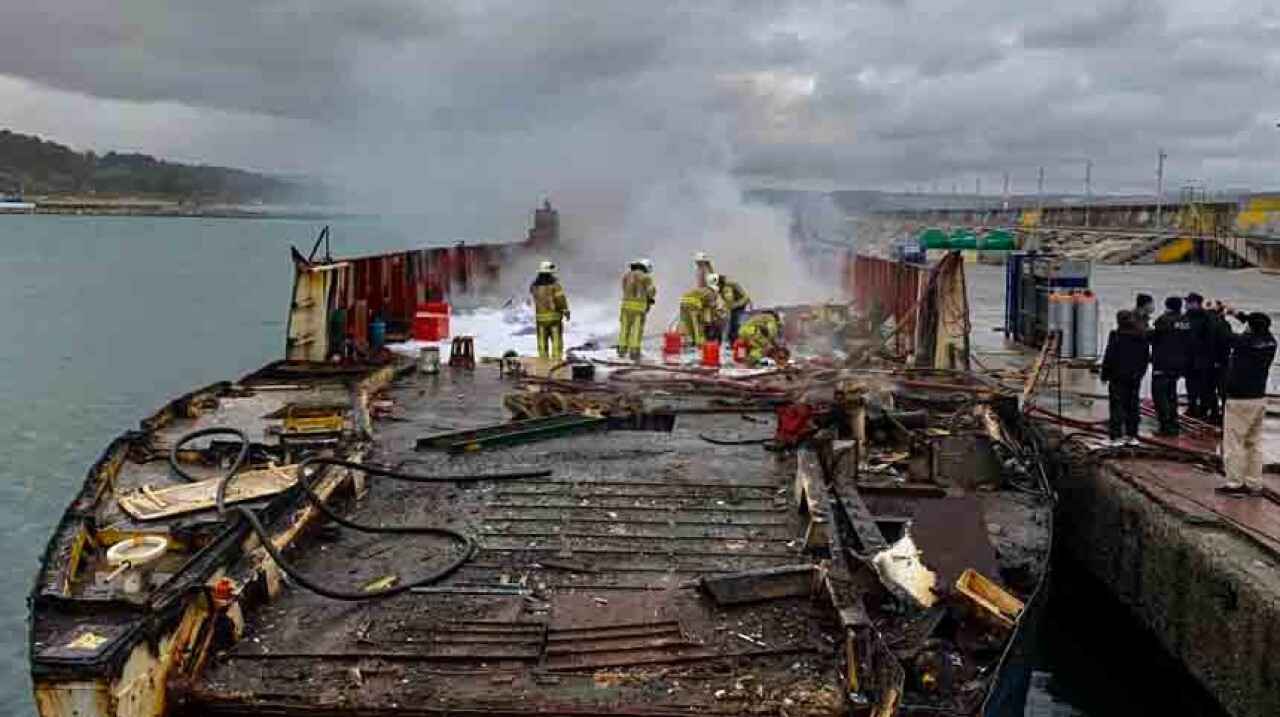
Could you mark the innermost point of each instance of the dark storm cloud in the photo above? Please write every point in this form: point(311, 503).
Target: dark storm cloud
point(561, 96)
point(1085, 25)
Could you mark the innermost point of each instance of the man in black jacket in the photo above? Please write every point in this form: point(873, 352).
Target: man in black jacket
point(1200, 393)
point(1123, 366)
point(1251, 355)
point(1144, 308)
point(1169, 348)
point(1222, 339)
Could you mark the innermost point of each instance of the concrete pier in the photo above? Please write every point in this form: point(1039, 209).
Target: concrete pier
point(1201, 575)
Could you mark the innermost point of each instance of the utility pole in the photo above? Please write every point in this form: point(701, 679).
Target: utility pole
point(1005, 195)
point(1040, 193)
point(977, 186)
point(1088, 189)
point(1160, 158)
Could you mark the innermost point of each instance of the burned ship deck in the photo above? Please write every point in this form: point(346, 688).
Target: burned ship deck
point(647, 572)
point(578, 599)
point(583, 597)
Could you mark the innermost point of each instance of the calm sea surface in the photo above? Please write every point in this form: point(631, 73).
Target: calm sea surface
point(105, 318)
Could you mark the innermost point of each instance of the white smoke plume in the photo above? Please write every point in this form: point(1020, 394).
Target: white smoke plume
point(622, 117)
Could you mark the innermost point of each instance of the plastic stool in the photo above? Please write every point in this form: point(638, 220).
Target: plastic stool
point(462, 353)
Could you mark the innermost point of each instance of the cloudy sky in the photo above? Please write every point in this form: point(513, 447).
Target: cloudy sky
point(543, 96)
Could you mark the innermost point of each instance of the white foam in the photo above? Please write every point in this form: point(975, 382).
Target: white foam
point(498, 330)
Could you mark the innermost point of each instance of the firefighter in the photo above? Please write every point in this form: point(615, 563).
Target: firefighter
point(551, 310)
point(736, 302)
point(702, 268)
point(638, 294)
point(713, 312)
point(763, 334)
point(698, 309)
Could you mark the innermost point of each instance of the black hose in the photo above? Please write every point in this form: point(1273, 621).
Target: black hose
point(241, 456)
point(304, 483)
point(733, 441)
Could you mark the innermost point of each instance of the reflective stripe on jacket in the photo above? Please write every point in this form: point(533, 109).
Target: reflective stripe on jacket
point(549, 302)
point(759, 329)
point(638, 291)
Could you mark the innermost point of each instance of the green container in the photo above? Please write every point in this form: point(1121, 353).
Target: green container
point(963, 239)
point(934, 238)
point(997, 240)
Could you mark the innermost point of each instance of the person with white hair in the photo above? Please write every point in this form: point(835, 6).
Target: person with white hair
point(1249, 366)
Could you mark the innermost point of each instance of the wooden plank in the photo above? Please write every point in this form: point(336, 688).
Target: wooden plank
point(860, 518)
point(757, 585)
point(154, 504)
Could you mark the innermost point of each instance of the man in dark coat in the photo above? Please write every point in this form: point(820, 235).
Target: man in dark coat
point(1200, 353)
point(1144, 309)
point(1123, 365)
point(1223, 337)
point(1169, 352)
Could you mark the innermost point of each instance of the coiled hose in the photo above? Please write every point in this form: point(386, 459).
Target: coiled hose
point(469, 547)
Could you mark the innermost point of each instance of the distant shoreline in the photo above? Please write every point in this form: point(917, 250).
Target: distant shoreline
point(138, 207)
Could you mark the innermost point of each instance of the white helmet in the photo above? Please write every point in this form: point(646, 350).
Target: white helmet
point(700, 256)
point(713, 281)
point(647, 264)
point(547, 267)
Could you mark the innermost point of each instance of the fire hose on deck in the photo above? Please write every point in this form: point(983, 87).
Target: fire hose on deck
point(468, 545)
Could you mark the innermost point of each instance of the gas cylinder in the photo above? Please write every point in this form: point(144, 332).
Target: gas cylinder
point(741, 350)
point(1086, 325)
point(1053, 314)
point(1066, 314)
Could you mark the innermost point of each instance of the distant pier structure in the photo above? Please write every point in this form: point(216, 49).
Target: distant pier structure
point(1231, 230)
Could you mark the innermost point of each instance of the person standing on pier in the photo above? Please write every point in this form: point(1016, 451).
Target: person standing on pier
point(638, 295)
point(1222, 340)
point(1252, 353)
point(551, 310)
point(1123, 366)
point(1169, 348)
point(1200, 392)
point(1144, 309)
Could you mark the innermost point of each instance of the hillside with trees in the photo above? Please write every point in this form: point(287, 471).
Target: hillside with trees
point(32, 166)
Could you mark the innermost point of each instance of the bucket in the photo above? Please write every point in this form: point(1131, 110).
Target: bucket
point(429, 359)
point(583, 372)
point(672, 344)
point(711, 354)
point(741, 349)
point(431, 321)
